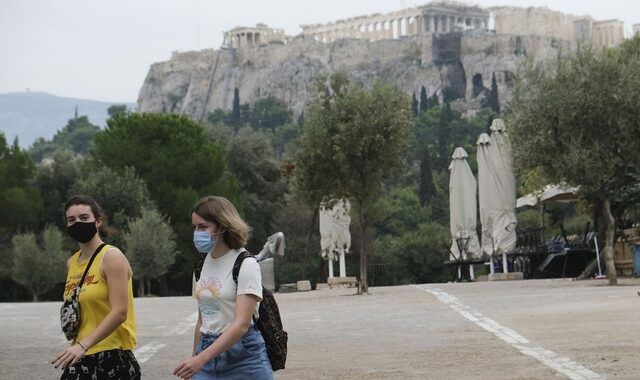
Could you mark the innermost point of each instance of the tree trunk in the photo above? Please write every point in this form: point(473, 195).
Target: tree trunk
point(609, 241)
point(148, 281)
point(363, 287)
point(141, 287)
point(34, 295)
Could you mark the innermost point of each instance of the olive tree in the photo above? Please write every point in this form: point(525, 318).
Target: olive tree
point(578, 121)
point(353, 138)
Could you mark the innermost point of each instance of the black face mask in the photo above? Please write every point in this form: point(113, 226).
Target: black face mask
point(82, 232)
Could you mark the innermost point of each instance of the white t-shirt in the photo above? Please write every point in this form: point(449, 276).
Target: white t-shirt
point(216, 290)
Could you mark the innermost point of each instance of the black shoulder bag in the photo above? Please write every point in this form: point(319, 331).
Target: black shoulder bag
point(70, 310)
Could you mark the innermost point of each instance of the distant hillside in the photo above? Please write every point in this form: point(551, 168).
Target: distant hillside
point(29, 115)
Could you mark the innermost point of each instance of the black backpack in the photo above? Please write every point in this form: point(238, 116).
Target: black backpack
point(268, 322)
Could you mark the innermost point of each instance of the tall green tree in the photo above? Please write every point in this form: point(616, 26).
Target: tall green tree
point(54, 178)
point(20, 202)
point(117, 109)
point(268, 113)
point(352, 140)
point(179, 164)
point(427, 187)
point(578, 121)
point(77, 136)
point(150, 248)
point(444, 136)
point(121, 193)
point(38, 267)
point(424, 100)
point(235, 119)
point(493, 101)
point(251, 158)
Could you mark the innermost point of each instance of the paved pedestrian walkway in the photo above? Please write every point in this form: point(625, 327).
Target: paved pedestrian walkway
point(533, 329)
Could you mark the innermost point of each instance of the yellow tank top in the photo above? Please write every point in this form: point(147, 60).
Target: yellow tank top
point(94, 305)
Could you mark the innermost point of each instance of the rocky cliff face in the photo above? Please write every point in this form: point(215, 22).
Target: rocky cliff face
point(195, 83)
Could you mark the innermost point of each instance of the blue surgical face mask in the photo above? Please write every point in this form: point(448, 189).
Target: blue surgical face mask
point(203, 242)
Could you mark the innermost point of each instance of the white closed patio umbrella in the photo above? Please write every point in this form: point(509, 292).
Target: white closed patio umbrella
point(503, 191)
point(463, 207)
point(485, 193)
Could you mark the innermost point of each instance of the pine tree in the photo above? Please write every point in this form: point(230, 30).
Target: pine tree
point(235, 110)
point(427, 187)
point(424, 101)
point(494, 102)
point(444, 135)
point(433, 101)
point(414, 105)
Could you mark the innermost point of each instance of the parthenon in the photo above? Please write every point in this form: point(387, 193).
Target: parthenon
point(446, 16)
point(435, 17)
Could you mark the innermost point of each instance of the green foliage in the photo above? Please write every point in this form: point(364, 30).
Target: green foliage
point(235, 120)
point(414, 105)
point(250, 157)
point(427, 188)
point(117, 109)
point(562, 123)
point(352, 140)
point(53, 179)
point(38, 267)
point(285, 139)
point(77, 136)
point(424, 101)
point(299, 224)
point(122, 194)
point(175, 158)
point(492, 100)
point(149, 247)
point(444, 136)
point(20, 203)
point(169, 152)
point(269, 113)
point(412, 247)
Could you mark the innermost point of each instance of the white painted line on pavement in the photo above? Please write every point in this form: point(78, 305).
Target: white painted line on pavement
point(559, 363)
point(147, 351)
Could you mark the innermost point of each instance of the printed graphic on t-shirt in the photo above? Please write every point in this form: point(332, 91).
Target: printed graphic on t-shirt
point(73, 281)
point(208, 294)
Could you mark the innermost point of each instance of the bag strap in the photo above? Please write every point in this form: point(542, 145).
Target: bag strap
point(86, 270)
point(238, 263)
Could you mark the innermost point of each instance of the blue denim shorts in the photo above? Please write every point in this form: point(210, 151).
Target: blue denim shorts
point(246, 359)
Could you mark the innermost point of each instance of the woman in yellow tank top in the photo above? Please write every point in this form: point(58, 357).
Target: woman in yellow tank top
point(107, 334)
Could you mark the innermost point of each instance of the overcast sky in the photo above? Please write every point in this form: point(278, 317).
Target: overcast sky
point(102, 49)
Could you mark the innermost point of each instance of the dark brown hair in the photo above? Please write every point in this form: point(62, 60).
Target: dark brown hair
point(104, 230)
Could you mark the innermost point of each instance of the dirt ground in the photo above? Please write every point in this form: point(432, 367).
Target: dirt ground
point(533, 329)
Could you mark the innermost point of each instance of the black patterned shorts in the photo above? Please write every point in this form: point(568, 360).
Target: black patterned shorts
point(105, 365)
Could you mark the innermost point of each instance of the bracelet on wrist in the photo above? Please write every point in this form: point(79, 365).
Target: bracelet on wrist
point(80, 344)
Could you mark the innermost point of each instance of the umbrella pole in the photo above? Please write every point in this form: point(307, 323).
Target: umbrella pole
point(330, 261)
point(505, 264)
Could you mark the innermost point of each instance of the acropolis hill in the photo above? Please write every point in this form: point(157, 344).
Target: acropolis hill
point(439, 45)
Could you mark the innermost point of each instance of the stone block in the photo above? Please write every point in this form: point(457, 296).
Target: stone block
point(342, 282)
point(303, 285)
point(322, 286)
point(506, 276)
point(288, 288)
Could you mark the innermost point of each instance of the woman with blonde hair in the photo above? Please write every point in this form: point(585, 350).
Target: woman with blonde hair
point(227, 344)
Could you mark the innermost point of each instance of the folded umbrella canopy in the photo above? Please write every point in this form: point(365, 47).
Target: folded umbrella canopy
point(503, 190)
point(462, 206)
point(485, 194)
